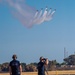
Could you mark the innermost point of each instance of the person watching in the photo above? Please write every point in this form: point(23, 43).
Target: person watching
point(15, 66)
point(41, 66)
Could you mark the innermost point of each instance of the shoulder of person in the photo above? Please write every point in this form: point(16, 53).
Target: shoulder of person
point(18, 61)
point(11, 61)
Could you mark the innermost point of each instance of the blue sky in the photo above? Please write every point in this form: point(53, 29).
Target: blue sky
point(47, 39)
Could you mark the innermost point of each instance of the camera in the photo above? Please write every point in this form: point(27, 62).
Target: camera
point(44, 59)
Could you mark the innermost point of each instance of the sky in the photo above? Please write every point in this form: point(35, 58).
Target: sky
point(47, 39)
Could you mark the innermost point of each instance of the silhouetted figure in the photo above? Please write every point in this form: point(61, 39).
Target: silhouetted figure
point(41, 66)
point(15, 66)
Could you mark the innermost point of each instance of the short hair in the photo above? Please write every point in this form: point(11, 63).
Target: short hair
point(41, 57)
point(14, 56)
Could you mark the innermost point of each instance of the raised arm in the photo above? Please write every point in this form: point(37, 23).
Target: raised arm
point(46, 61)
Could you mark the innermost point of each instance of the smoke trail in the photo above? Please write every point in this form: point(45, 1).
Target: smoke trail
point(50, 16)
point(42, 18)
point(28, 15)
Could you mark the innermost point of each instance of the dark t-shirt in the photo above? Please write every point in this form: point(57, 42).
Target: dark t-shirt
point(15, 64)
point(41, 68)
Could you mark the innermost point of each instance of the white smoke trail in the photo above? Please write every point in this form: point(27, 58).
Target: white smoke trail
point(42, 18)
point(49, 12)
point(36, 14)
point(28, 15)
point(50, 16)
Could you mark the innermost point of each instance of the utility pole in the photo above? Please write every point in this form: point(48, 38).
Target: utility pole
point(64, 52)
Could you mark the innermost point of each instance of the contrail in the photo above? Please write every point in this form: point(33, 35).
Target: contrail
point(28, 15)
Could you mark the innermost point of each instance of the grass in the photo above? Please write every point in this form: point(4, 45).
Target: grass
point(64, 72)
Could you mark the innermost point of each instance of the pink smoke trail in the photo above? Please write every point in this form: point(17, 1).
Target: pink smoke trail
point(28, 15)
